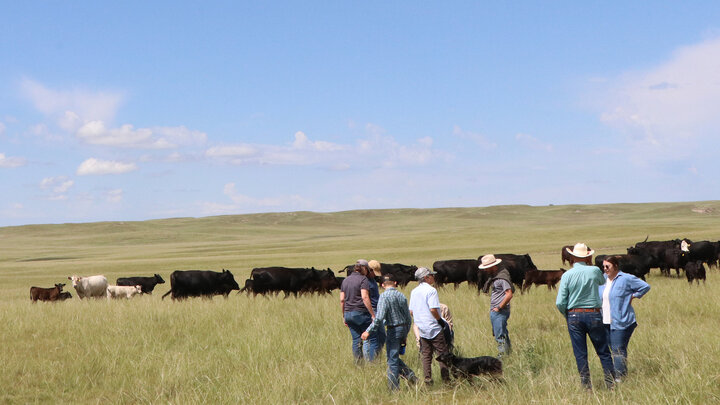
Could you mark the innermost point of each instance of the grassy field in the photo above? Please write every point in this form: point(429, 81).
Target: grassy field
point(270, 350)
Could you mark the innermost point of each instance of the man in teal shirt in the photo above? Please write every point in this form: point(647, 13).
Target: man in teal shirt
point(579, 301)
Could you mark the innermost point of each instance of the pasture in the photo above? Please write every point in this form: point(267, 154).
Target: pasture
point(275, 350)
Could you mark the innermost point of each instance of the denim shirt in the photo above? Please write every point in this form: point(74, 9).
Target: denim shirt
point(623, 288)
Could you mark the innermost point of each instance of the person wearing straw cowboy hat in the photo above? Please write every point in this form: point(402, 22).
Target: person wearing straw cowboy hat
point(579, 301)
point(501, 291)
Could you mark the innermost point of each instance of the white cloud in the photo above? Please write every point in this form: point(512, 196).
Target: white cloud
point(58, 186)
point(86, 105)
point(375, 149)
point(11, 162)
point(2, 129)
point(242, 203)
point(532, 142)
point(668, 110)
point(477, 138)
point(94, 166)
point(114, 196)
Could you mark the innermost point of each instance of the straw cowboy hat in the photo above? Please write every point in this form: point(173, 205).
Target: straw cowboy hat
point(580, 250)
point(488, 261)
point(375, 267)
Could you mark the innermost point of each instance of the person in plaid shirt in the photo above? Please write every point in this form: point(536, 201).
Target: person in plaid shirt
point(392, 310)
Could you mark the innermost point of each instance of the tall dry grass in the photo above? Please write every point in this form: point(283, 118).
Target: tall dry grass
point(274, 350)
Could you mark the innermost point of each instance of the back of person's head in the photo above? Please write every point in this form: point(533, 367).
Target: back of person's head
point(388, 278)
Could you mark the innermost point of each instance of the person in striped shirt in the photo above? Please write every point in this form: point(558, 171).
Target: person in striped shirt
point(393, 312)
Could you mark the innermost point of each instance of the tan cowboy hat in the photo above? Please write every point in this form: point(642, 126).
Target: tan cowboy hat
point(580, 250)
point(488, 261)
point(375, 267)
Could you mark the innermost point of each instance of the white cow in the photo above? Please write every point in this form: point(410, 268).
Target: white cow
point(123, 291)
point(86, 287)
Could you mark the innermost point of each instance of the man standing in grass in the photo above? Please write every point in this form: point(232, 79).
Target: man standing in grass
point(393, 311)
point(579, 301)
point(424, 308)
point(500, 288)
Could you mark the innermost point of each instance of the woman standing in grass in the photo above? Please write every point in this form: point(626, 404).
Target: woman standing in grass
point(618, 314)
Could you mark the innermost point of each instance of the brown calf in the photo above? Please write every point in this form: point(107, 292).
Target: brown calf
point(548, 277)
point(46, 294)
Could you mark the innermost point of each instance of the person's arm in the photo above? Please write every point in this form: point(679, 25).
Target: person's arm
point(416, 332)
point(435, 313)
point(638, 287)
point(562, 298)
point(365, 294)
point(342, 304)
point(506, 299)
point(379, 318)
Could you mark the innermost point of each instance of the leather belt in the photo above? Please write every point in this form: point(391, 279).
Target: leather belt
point(584, 310)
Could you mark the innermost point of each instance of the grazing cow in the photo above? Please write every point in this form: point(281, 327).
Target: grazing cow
point(292, 280)
point(147, 283)
point(403, 273)
point(455, 271)
point(637, 265)
point(46, 294)
point(123, 291)
point(92, 286)
point(516, 265)
point(704, 251)
point(201, 283)
point(548, 277)
point(655, 250)
point(565, 254)
point(64, 296)
point(673, 258)
point(695, 271)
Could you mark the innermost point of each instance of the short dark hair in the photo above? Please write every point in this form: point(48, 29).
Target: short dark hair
point(388, 277)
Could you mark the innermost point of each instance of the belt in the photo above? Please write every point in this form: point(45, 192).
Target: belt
point(584, 310)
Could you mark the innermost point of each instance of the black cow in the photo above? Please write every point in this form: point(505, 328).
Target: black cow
point(516, 265)
point(637, 265)
point(403, 273)
point(201, 283)
point(64, 296)
point(654, 249)
point(291, 280)
point(147, 283)
point(695, 270)
point(673, 258)
point(455, 271)
point(704, 251)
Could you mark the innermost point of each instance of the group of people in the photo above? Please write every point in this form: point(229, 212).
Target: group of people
point(596, 304)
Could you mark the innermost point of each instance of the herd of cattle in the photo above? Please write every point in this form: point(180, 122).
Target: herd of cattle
point(665, 255)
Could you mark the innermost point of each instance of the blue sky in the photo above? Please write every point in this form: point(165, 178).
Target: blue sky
point(142, 110)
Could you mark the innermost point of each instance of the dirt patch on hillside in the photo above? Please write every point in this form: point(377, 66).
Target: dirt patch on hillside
point(701, 210)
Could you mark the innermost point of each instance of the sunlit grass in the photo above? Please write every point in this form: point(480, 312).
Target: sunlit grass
point(275, 350)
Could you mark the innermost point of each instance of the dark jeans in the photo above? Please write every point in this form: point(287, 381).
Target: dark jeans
point(435, 345)
point(589, 324)
point(374, 344)
point(357, 322)
point(396, 367)
point(619, 340)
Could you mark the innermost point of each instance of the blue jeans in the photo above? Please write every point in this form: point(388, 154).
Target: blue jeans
point(498, 320)
point(580, 325)
point(396, 367)
point(357, 322)
point(374, 344)
point(619, 340)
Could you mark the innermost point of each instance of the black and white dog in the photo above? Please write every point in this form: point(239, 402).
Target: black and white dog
point(467, 367)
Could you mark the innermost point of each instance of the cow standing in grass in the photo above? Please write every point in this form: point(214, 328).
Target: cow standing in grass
point(92, 286)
